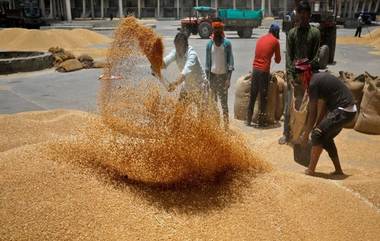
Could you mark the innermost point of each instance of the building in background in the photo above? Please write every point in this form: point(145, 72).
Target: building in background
point(76, 9)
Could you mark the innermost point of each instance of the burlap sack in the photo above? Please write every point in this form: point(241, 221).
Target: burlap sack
point(271, 104)
point(86, 60)
point(70, 65)
point(99, 64)
point(369, 117)
point(242, 94)
point(355, 84)
point(298, 118)
point(276, 98)
point(281, 94)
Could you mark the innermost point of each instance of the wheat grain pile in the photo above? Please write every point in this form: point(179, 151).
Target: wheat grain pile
point(372, 39)
point(45, 199)
point(70, 175)
point(78, 41)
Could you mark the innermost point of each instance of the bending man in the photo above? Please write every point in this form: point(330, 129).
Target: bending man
point(341, 109)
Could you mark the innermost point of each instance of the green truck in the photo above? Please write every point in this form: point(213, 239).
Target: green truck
point(242, 21)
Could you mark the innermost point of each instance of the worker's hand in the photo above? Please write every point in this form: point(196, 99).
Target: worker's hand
point(171, 87)
point(228, 80)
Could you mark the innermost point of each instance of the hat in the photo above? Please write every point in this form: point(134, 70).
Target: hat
point(275, 30)
point(274, 27)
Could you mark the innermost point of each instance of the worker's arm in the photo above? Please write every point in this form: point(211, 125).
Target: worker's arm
point(311, 118)
point(230, 61)
point(277, 53)
point(290, 47)
point(315, 47)
point(230, 57)
point(169, 58)
point(208, 59)
point(177, 82)
point(322, 111)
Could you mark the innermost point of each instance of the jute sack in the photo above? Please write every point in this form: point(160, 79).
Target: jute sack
point(86, 60)
point(70, 65)
point(298, 117)
point(369, 116)
point(242, 94)
point(271, 103)
point(355, 84)
point(281, 93)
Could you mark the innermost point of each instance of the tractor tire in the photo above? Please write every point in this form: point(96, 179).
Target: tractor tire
point(186, 31)
point(323, 56)
point(332, 45)
point(245, 33)
point(204, 30)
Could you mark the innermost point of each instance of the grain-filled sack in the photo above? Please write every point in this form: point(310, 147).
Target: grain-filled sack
point(281, 94)
point(369, 116)
point(86, 60)
point(298, 118)
point(70, 65)
point(242, 94)
point(354, 83)
point(271, 102)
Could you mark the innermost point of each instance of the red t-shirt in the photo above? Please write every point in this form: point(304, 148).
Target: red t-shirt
point(266, 46)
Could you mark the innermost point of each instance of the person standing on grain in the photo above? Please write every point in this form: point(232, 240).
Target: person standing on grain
point(266, 46)
point(219, 67)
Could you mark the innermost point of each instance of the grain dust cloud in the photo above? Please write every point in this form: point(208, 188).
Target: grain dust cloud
point(144, 132)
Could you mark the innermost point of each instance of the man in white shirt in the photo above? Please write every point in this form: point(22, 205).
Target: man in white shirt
point(192, 74)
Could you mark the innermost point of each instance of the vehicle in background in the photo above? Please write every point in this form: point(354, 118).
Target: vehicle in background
point(27, 15)
point(242, 21)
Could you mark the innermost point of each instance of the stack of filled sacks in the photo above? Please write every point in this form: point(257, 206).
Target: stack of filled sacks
point(369, 116)
point(366, 91)
point(276, 97)
point(65, 61)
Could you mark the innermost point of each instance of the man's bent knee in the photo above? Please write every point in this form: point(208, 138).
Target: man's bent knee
point(317, 137)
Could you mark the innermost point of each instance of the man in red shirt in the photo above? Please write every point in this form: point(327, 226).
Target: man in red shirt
point(266, 46)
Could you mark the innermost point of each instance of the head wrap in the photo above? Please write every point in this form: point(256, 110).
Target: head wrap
point(217, 26)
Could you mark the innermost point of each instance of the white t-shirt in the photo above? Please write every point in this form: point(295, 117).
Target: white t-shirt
point(218, 60)
point(190, 67)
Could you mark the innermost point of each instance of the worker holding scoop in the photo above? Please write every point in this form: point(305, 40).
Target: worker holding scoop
point(192, 75)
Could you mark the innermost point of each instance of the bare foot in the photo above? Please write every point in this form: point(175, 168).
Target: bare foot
point(309, 172)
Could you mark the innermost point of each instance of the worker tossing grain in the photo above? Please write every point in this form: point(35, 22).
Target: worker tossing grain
point(193, 77)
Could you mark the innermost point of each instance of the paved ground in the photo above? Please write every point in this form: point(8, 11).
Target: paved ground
point(77, 90)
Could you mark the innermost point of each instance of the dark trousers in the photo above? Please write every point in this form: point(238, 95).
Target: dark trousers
point(358, 31)
point(220, 91)
point(297, 91)
point(259, 84)
point(329, 128)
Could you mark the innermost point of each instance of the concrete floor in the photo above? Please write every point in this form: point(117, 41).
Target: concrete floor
point(78, 90)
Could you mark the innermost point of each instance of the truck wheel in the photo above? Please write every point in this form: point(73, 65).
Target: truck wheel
point(323, 56)
point(204, 30)
point(245, 33)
